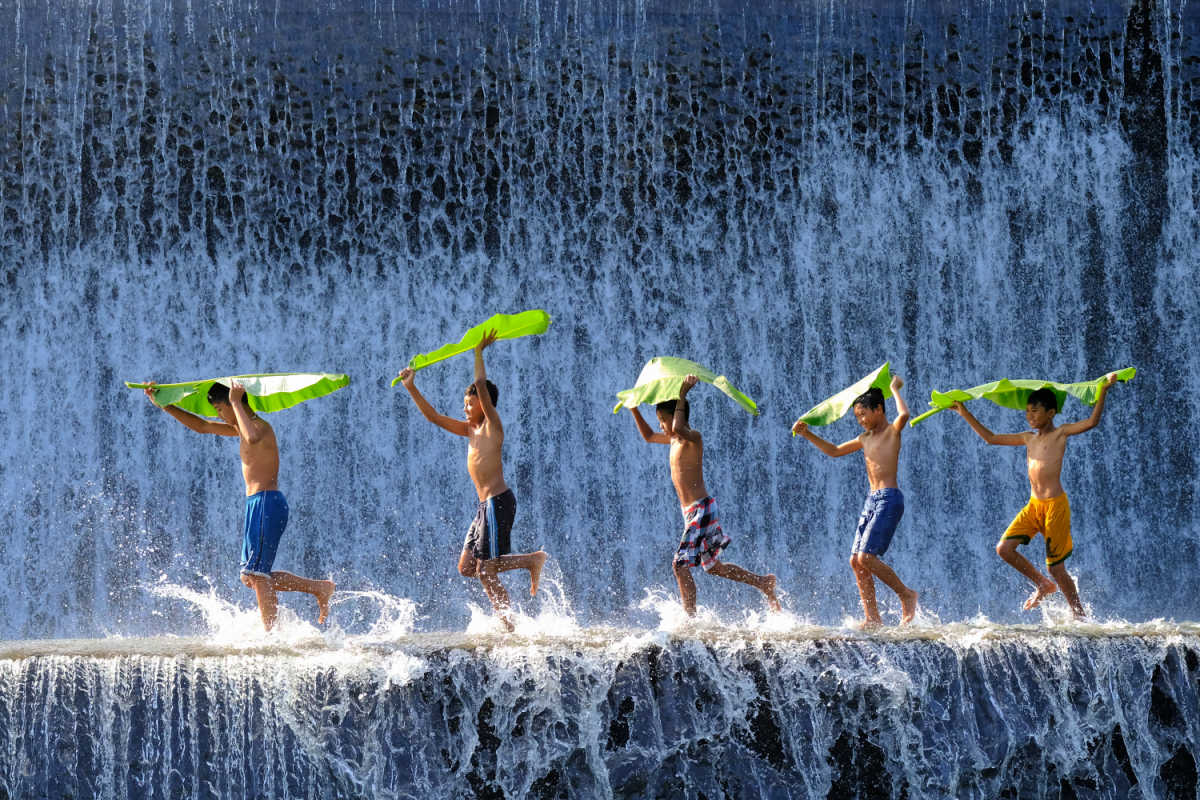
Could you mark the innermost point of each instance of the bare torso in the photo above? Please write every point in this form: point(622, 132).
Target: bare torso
point(260, 460)
point(881, 453)
point(687, 470)
point(1044, 450)
point(483, 460)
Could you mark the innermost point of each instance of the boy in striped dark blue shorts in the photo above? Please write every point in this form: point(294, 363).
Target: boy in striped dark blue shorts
point(485, 552)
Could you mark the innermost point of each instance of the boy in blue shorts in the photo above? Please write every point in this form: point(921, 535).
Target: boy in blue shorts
point(266, 508)
point(485, 552)
point(880, 444)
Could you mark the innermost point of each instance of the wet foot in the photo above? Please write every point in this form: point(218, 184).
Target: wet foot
point(769, 591)
point(535, 571)
point(908, 607)
point(507, 622)
point(1045, 588)
point(870, 625)
point(324, 595)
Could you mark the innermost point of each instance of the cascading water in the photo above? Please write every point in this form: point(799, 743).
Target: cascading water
point(788, 193)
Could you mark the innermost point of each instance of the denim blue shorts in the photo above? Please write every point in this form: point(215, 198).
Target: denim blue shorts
point(877, 523)
point(266, 517)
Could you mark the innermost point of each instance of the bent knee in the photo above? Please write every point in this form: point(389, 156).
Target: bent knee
point(254, 581)
point(859, 561)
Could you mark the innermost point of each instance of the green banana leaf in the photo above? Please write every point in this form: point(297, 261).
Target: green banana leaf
point(1015, 393)
point(834, 408)
point(662, 377)
point(507, 326)
point(264, 393)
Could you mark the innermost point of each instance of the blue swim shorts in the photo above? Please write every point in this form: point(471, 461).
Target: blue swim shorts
point(489, 536)
point(266, 517)
point(877, 523)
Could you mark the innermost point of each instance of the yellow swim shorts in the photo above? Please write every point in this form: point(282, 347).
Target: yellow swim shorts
point(1052, 519)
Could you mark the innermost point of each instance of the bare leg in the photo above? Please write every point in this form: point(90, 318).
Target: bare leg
point(908, 598)
point(530, 561)
point(687, 587)
point(1067, 584)
point(322, 590)
point(495, 592)
point(1007, 549)
point(866, 593)
point(268, 605)
point(764, 583)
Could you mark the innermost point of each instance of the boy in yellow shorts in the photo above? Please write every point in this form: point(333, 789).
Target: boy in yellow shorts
point(1048, 511)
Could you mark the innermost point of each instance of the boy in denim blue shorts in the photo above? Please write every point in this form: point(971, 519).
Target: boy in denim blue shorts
point(880, 444)
point(266, 508)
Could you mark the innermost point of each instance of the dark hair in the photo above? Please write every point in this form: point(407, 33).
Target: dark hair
point(1044, 398)
point(219, 393)
point(668, 407)
point(871, 399)
point(493, 392)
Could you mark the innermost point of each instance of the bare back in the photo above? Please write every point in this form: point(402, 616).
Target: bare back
point(484, 443)
point(260, 459)
point(687, 468)
point(881, 454)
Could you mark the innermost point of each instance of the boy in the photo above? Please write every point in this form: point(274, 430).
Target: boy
point(266, 508)
point(1048, 512)
point(703, 540)
point(485, 552)
point(880, 444)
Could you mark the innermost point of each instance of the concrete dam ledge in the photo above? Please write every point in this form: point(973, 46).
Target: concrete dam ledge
point(963, 710)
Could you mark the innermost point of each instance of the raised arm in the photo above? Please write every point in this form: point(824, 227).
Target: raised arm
point(646, 431)
point(455, 426)
point(249, 432)
point(679, 425)
point(901, 407)
point(1072, 428)
point(485, 398)
point(1015, 439)
point(828, 448)
point(191, 421)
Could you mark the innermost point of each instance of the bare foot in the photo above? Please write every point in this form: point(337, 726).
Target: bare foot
point(323, 598)
point(535, 572)
point(506, 621)
point(769, 591)
point(870, 624)
point(908, 607)
point(1045, 588)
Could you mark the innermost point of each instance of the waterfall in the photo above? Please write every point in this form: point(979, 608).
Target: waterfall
point(1030, 714)
point(790, 196)
point(788, 193)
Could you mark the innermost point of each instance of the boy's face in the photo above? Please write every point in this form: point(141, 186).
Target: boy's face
point(868, 418)
point(1038, 417)
point(225, 412)
point(665, 421)
point(471, 408)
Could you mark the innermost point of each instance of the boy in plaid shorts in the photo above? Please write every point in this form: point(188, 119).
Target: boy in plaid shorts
point(703, 540)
